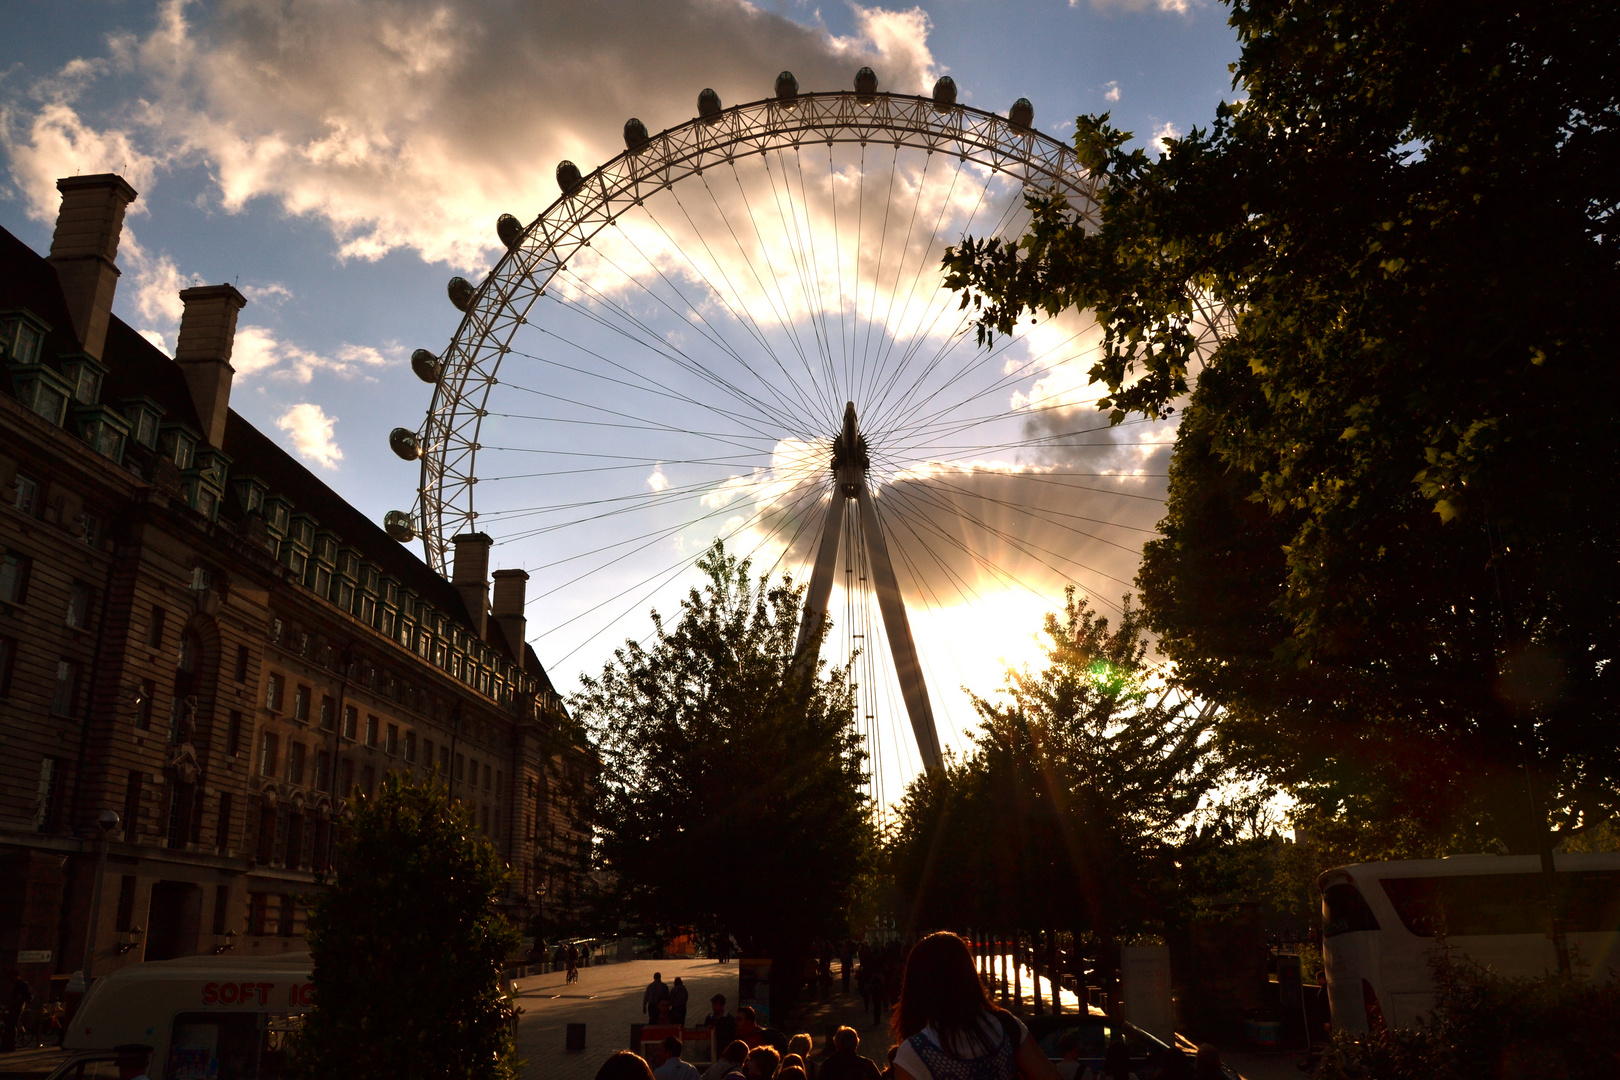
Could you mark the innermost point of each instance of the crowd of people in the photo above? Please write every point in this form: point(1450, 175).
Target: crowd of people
point(942, 1021)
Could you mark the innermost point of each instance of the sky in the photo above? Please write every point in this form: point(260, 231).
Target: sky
point(338, 161)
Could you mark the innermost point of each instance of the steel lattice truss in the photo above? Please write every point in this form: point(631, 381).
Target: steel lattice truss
point(501, 304)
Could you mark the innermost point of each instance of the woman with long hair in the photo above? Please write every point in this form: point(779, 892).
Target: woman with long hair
point(949, 1029)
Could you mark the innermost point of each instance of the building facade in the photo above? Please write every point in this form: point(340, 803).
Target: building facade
point(206, 654)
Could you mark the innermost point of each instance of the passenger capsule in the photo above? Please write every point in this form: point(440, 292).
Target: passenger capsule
point(1022, 113)
point(787, 87)
point(708, 105)
point(945, 92)
point(426, 366)
point(568, 178)
point(866, 82)
point(399, 526)
point(635, 135)
point(461, 293)
point(402, 441)
point(509, 229)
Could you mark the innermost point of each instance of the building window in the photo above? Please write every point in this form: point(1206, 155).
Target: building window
point(233, 734)
point(67, 688)
point(410, 747)
point(90, 529)
point(222, 834)
point(301, 703)
point(269, 754)
point(461, 767)
point(273, 692)
point(80, 596)
point(143, 705)
point(295, 841)
point(346, 777)
point(498, 779)
point(258, 913)
point(372, 724)
point(45, 797)
point(444, 759)
point(132, 807)
point(323, 842)
point(368, 780)
point(154, 628)
point(328, 713)
point(267, 834)
point(323, 771)
point(243, 658)
point(8, 656)
point(26, 499)
point(486, 776)
point(295, 763)
point(222, 907)
point(124, 919)
point(427, 752)
point(351, 722)
point(391, 744)
point(14, 577)
point(289, 911)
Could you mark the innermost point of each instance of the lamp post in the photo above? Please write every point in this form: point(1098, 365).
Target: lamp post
point(106, 823)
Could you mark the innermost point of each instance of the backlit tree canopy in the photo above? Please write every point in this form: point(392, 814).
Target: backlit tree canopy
point(1392, 534)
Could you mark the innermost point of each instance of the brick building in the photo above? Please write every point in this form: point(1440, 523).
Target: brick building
point(201, 637)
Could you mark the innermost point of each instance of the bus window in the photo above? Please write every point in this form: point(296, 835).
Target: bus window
point(1487, 904)
point(1345, 910)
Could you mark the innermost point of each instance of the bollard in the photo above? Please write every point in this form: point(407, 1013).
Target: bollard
point(575, 1038)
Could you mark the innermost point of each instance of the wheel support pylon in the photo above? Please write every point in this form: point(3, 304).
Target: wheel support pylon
point(850, 464)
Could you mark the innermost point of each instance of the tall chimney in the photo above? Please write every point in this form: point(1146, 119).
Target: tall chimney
point(471, 576)
point(510, 589)
point(83, 249)
point(203, 351)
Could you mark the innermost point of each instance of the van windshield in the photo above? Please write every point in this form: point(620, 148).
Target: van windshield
point(230, 1046)
point(1485, 904)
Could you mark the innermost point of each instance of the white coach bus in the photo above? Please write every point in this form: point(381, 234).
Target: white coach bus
point(1380, 922)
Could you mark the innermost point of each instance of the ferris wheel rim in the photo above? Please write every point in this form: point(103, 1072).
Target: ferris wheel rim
point(470, 364)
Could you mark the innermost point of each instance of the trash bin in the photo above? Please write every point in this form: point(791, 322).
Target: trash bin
point(575, 1039)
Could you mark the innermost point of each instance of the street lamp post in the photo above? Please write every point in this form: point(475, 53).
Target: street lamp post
point(106, 823)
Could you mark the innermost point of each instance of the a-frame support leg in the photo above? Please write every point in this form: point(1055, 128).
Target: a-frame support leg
point(901, 646)
point(821, 577)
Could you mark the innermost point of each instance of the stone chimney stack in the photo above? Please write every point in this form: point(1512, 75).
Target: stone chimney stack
point(511, 586)
point(471, 576)
point(203, 351)
point(83, 249)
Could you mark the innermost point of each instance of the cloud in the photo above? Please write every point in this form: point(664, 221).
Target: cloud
point(415, 123)
point(257, 351)
point(1162, 134)
point(1112, 93)
point(658, 481)
point(311, 432)
point(1178, 7)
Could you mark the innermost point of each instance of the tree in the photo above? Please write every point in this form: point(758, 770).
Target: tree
point(732, 772)
point(1081, 793)
point(407, 948)
point(1392, 529)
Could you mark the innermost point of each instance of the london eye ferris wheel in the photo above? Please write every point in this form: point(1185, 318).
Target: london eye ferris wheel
point(737, 329)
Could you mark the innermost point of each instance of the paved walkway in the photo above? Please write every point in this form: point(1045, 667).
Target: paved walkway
point(607, 1000)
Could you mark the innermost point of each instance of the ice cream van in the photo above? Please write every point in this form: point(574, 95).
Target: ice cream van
point(205, 1018)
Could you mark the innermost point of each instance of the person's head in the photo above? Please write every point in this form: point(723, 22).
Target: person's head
point(719, 1003)
point(1117, 1061)
point(736, 1052)
point(940, 988)
point(133, 1059)
point(762, 1063)
point(791, 1072)
point(1069, 1045)
point(658, 976)
point(802, 1045)
point(625, 1065)
point(1208, 1062)
point(677, 980)
point(672, 1048)
point(893, 1050)
point(791, 1059)
point(747, 1018)
point(846, 1039)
